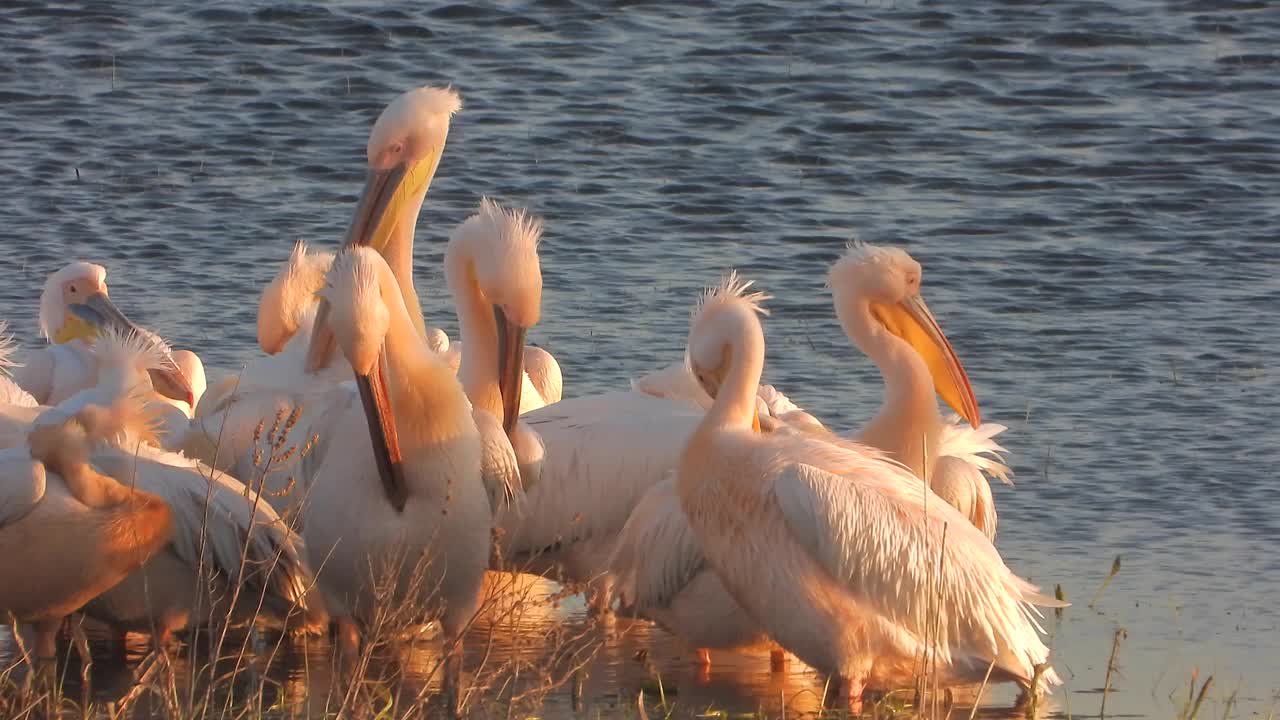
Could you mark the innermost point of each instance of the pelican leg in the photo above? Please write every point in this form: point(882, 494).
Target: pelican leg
point(845, 693)
point(348, 643)
point(599, 597)
point(778, 660)
point(47, 641)
point(453, 679)
point(81, 643)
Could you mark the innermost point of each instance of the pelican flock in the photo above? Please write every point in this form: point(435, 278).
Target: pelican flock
point(364, 464)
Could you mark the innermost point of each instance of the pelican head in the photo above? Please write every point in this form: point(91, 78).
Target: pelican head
point(359, 283)
point(497, 250)
point(727, 315)
point(74, 306)
point(404, 150)
point(888, 281)
point(75, 283)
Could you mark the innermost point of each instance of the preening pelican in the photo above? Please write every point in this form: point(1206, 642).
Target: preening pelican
point(68, 532)
point(838, 552)
point(399, 483)
point(74, 307)
point(227, 542)
point(493, 272)
point(404, 150)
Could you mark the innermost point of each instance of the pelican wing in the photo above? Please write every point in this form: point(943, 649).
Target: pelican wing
point(11, 393)
point(499, 468)
point(603, 452)
point(15, 423)
point(963, 486)
point(22, 484)
point(657, 553)
point(674, 382)
point(222, 526)
point(904, 553)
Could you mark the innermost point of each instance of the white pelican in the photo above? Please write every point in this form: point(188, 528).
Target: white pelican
point(876, 291)
point(404, 150)
point(74, 307)
point(68, 532)
point(416, 494)
point(838, 553)
point(222, 529)
point(662, 576)
point(493, 272)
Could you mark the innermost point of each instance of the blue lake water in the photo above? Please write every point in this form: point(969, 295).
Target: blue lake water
point(1091, 187)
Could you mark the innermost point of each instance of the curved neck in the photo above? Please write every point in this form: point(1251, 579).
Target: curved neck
point(735, 402)
point(427, 401)
point(478, 330)
point(398, 253)
point(908, 423)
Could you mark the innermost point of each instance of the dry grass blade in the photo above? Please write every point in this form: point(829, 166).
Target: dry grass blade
point(1204, 690)
point(1111, 668)
point(1115, 570)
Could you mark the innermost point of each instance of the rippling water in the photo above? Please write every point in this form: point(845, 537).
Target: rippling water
point(1091, 187)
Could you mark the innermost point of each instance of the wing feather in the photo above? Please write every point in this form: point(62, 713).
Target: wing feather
point(904, 553)
point(22, 484)
point(602, 453)
point(657, 554)
point(221, 525)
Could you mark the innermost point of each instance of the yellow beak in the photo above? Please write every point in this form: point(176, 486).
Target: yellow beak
point(382, 204)
point(382, 433)
point(911, 321)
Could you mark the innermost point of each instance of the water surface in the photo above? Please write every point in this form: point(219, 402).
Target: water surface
point(1091, 187)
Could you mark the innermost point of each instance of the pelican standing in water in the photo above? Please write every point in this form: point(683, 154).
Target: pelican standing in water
point(74, 308)
point(834, 551)
point(400, 482)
